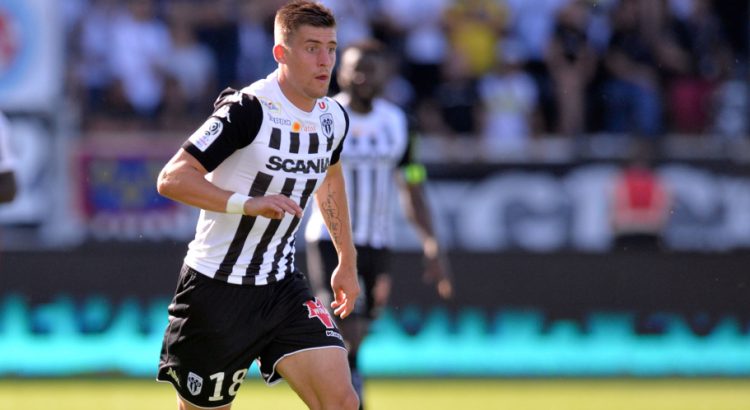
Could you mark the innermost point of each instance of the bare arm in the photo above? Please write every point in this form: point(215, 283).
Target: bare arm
point(332, 201)
point(183, 180)
point(418, 213)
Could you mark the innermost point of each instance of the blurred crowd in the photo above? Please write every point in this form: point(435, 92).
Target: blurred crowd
point(500, 71)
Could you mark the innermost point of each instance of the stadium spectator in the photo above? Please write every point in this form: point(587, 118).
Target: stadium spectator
point(532, 24)
point(375, 156)
point(255, 39)
point(354, 19)
point(139, 49)
point(633, 101)
point(473, 27)
point(571, 62)
point(93, 69)
point(7, 163)
point(190, 72)
point(458, 100)
point(705, 61)
point(268, 149)
point(216, 26)
point(424, 46)
point(666, 65)
point(508, 98)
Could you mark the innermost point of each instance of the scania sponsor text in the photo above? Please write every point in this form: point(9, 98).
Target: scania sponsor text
point(301, 166)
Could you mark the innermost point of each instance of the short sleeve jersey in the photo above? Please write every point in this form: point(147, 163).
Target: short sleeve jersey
point(258, 143)
point(377, 146)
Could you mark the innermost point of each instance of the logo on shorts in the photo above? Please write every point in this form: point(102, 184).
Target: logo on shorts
point(331, 333)
point(195, 383)
point(173, 374)
point(316, 309)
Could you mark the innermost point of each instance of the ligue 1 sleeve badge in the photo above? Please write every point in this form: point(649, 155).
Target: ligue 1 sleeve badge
point(326, 124)
point(204, 136)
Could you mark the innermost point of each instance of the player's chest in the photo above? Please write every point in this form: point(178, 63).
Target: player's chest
point(291, 147)
point(371, 142)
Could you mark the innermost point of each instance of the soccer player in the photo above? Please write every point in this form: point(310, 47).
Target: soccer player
point(251, 169)
point(376, 151)
point(8, 186)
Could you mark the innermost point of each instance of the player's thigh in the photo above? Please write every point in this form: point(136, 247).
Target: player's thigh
point(183, 405)
point(318, 373)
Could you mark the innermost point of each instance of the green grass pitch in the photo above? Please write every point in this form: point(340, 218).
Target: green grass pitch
point(394, 394)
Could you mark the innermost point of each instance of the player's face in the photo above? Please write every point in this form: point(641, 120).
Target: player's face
point(362, 75)
point(308, 60)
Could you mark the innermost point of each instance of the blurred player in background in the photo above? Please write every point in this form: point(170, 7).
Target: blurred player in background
point(7, 164)
point(252, 168)
point(376, 152)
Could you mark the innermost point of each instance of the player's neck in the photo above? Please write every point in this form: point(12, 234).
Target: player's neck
point(360, 105)
point(295, 96)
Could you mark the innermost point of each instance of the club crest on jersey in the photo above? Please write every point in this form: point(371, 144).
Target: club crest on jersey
point(204, 136)
point(326, 125)
point(315, 309)
point(195, 383)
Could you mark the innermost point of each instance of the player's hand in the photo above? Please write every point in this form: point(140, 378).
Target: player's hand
point(345, 286)
point(273, 207)
point(437, 272)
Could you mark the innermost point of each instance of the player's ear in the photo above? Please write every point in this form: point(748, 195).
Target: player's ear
point(279, 53)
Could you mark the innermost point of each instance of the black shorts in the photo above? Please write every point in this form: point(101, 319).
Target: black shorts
point(217, 329)
point(322, 259)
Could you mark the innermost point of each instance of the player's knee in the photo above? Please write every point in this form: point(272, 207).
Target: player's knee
point(345, 400)
point(350, 401)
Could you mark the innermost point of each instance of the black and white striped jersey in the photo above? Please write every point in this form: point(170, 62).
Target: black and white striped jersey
point(258, 143)
point(376, 147)
point(7, 163)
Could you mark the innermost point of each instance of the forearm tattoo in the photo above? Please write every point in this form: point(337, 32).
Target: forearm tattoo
point(331, 211)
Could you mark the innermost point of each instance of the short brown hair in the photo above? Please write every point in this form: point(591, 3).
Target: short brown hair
point(299, 13)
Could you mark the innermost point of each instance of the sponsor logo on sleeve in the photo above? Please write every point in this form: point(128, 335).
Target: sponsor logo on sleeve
point(270, 105)
point(207, 134)
point(279, 121)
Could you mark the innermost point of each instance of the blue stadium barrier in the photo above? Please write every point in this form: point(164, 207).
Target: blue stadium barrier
point(95, 336)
